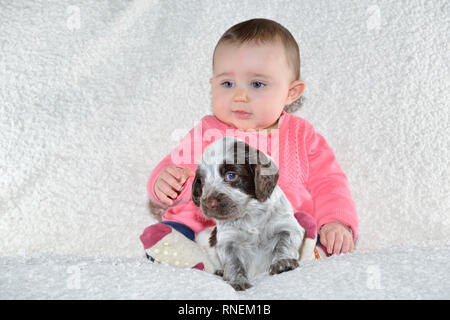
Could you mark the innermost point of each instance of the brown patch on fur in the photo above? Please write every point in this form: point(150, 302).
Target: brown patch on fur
point(213, 237)
point(245, 181)
point(264, 184)
point(197, 187)
point(253, 178)
point(300, 250)
point(283, 265)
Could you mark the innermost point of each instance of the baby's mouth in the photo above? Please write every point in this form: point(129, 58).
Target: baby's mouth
point(242, 114)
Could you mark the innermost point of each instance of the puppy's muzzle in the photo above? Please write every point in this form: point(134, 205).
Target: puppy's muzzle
point(211, 203)
point(218, 206)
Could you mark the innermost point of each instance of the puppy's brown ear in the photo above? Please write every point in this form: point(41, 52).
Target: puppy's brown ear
point(266, 176)
point(213, 237)
point(196, 189)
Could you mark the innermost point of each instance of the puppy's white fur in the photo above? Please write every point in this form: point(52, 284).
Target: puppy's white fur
point(256, 231)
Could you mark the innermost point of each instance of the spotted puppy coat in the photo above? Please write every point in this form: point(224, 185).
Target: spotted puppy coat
point(256, 231)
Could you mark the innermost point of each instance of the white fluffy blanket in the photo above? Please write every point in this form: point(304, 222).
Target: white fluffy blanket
point(416, 272)
point(94, 94)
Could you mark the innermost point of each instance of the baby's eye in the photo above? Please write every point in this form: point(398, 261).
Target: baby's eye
point(258, 84)
point(226, 84)
point(230, 176)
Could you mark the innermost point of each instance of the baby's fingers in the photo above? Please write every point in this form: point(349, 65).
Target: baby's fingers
point(186, 173)
point(323, 237)
point(165, 193)
point(172, 178)
point(346, 244)
point(163, 197)
point(338, 240)
point(330, 236)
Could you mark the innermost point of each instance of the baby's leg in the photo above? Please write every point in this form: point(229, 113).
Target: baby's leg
point(173, 243)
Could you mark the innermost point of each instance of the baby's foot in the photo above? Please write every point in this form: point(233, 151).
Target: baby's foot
point(162, 243)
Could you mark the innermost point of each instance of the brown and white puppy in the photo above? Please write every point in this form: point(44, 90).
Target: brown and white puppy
point(256, 231)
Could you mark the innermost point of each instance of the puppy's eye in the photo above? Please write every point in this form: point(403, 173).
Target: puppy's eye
point(230, 176)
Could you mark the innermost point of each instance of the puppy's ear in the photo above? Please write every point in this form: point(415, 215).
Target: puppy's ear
point(266, 176)
point(196, 189)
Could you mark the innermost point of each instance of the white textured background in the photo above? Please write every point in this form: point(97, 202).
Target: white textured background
point(95, 93)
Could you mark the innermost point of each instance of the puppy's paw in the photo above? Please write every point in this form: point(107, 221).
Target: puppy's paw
point(283, 265)
point(241, 285)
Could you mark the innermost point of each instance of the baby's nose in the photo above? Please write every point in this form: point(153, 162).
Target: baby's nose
point(211, 203)
point(240, 95)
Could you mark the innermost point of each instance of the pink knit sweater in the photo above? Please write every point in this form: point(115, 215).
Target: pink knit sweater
point(309, 174)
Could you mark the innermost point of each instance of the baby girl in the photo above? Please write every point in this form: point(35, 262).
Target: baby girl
point(255, 88)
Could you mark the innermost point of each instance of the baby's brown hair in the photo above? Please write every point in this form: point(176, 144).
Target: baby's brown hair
point(261, 30)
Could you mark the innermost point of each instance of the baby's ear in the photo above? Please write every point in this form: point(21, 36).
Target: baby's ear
point(196, 190)
point(266, 177)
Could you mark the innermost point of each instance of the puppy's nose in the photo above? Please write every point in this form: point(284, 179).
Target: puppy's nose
point(211, 203)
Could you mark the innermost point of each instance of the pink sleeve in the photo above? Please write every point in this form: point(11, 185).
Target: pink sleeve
point(328, 185)
point(184, 155)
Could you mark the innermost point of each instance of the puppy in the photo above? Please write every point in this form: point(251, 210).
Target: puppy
point(256, 231)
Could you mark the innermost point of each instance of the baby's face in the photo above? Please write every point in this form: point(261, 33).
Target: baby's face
point(250, 78)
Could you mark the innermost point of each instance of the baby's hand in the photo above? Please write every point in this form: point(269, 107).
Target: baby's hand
point(170, 182)
point(336, 237)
